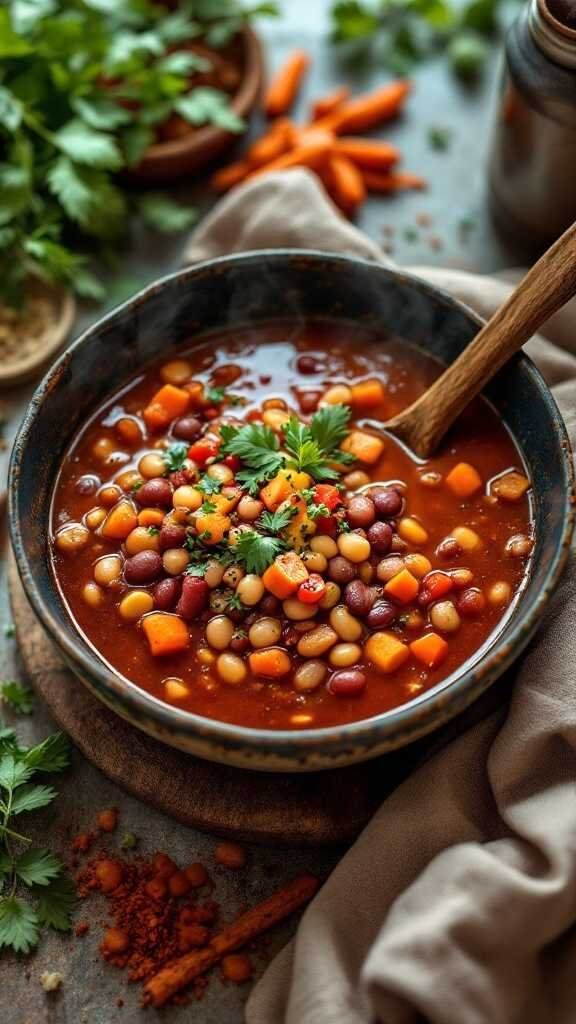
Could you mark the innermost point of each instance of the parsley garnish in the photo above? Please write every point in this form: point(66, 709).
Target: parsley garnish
point(136, 487)
point(257, 551)
point(343, 526)
point(175, 457)
point(275, 522)
point(18, 697)
point(317, 511)
point(234, 603)
point(207, 508)
point(257, 446)
point(314, 446)
point(153, 531)
point(24, 867)
point(208, 485)
point(215, 395)
point(9, 630)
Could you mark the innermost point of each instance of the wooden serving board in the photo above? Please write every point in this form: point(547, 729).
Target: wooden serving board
point(313, 809)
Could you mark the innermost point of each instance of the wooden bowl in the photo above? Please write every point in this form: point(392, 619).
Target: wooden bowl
point(48, 343)
point(167, 161)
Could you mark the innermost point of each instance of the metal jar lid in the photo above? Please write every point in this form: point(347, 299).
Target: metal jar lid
point(555, 39)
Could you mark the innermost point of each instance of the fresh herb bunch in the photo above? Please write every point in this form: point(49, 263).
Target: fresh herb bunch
point(401, 33)
point(24, 868)
point(83, 86)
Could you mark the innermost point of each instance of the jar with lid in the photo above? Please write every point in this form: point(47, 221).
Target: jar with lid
point(533, 157)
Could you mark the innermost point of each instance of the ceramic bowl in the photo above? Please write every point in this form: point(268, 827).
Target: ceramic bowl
point(235, 292)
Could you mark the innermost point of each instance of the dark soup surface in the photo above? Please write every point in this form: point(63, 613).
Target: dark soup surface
point(235, 534)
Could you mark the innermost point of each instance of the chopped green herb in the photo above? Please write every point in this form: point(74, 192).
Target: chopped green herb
point(343, 526)
point(128, 841)
point(175, 457)
point(314, 446)
point(215, 395)
point(315, 511)
point(20, 698)
point(275, 522)
point(9, 630)
point(209, 485)
point(257, 446)
point(234, 603)
point(439, 138)
point(257, 551)
point(153, 531)
point(207, 508)
point(195, 569)
point(136, 487)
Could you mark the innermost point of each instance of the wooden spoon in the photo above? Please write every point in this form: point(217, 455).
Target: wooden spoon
point(548, 285)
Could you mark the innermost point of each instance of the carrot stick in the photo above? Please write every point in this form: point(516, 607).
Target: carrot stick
point(310, 151)
point(384, 183)
point(367, 111)
point(175, 976)
point(328, 104)
point(346, 183)
point(277, 140)
point(285, 84)
point(230, 175)
point(371, 153)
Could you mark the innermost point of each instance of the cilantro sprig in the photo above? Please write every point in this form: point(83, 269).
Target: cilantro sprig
point(258, 448)
point(175, 457)
point(258, 551)
point(314, 446)
point(35, 891)
point(19, 697)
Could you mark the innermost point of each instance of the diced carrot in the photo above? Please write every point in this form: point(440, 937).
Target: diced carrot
point(370, 153)
point(283, 88)
point(270, 661)
point(344, 183)
point(168, 403)
point(301, 526)
point(311, 150)
point(281, 486)
point(380, 181)
point(328, 104)
point(277, 140)
point(436, 584)
point(195, 389)
point(212, 527)
point(430, 649)
point(403, 587)
point(367, 393)
point(165, 633)
point(510, 487)
point(364, 447)
point(151, 517)
point(228, 501)
point(120, 521)
point(232, 174)
point(386, 651)
point(463, 480)
point(285, 575)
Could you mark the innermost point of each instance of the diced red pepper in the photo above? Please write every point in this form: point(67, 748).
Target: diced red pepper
point(327, 525)
point(327, 494)
point(202, 450)
point(233, 462)
point(437, 584)
point(312, 590)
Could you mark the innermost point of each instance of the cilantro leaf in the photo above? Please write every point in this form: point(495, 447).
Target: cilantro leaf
point(205, 105)
point(215, 395)
point(257, 447)
point(13, 773)
point(56, 902)
point(207, 508)
point(175, 457)
point(20, 698)
point(275, 522)
point(329, 427)
point(101, 112)
point(52, 755)
point(257, 551)
point(312, 446)
point(18, 925)
point(163, 214)
point(31, 797)
point(209, 485)
point(37, 867)
point(85, 145)
point(234, 602)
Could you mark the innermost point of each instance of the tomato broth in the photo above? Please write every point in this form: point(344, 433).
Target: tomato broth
point(357, 586)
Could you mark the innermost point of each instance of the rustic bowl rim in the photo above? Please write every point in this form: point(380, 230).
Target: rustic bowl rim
point(418, 715)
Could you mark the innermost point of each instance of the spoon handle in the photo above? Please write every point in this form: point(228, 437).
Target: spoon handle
point(547, 286)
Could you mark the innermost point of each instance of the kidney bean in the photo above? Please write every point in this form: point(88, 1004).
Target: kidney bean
point(381, 615)
point(397, 545)
point(349, 682)
point(87, 485)
point(307, 364)
point(309, 400)
point(341, 570)
point(359, 598)
point(360, 511)
point(239, 644)
point(145, 567)
point(290, 636)
point(166, 593)
point(269, 605)
point(380, 538)
point(448, 549)
point(155, 493)
point(188, 428)
point(387, 502)
point(471, 602)
point(194, 597)
point(171, 536)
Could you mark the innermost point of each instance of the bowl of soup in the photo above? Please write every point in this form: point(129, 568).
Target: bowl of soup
point(228, 549)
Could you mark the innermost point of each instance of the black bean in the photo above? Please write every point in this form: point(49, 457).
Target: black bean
point(145, 567)
point(387, 502)
point(188, 428)
point(171, 536)
point(380, 538)
point(381, 615)
point(359, 598)
point(360, 511)
point(194, 597)
point(350, 682)
point(341, 570)
point(155, 493)
point(166, 593)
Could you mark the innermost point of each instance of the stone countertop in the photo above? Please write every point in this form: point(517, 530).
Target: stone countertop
point(460, 234)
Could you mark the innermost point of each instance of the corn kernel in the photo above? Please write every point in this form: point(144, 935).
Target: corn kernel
point(136, 604)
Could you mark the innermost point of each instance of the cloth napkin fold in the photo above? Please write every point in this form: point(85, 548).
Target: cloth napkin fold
point(457, 903)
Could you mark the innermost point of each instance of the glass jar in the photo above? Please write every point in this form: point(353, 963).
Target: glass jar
point(533, 158)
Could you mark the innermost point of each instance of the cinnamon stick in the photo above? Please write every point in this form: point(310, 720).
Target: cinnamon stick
point(177, 975)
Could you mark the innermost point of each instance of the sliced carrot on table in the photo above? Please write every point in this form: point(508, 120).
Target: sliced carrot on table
point(120, 521)
point(151, 517)
point(168, 403)
point(345, 183)
point(312, 148)
point(284, 86)
point(364, 447)
point(377, 181)
point(285, 575)
point(277, 140)
point(386, 651)
point(430, 649)
point(403, 587)
point(367, 393)
point(328, 104)
point(368, 111)
point(230, 175)
point(270, 661)
point(166, 633)
point(370, 153)
point(464, 480)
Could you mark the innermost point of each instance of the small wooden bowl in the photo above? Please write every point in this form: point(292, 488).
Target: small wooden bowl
point(166, 161)
point(49, 342)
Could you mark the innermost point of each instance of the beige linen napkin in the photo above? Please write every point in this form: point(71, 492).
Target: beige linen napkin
point(457, 904)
